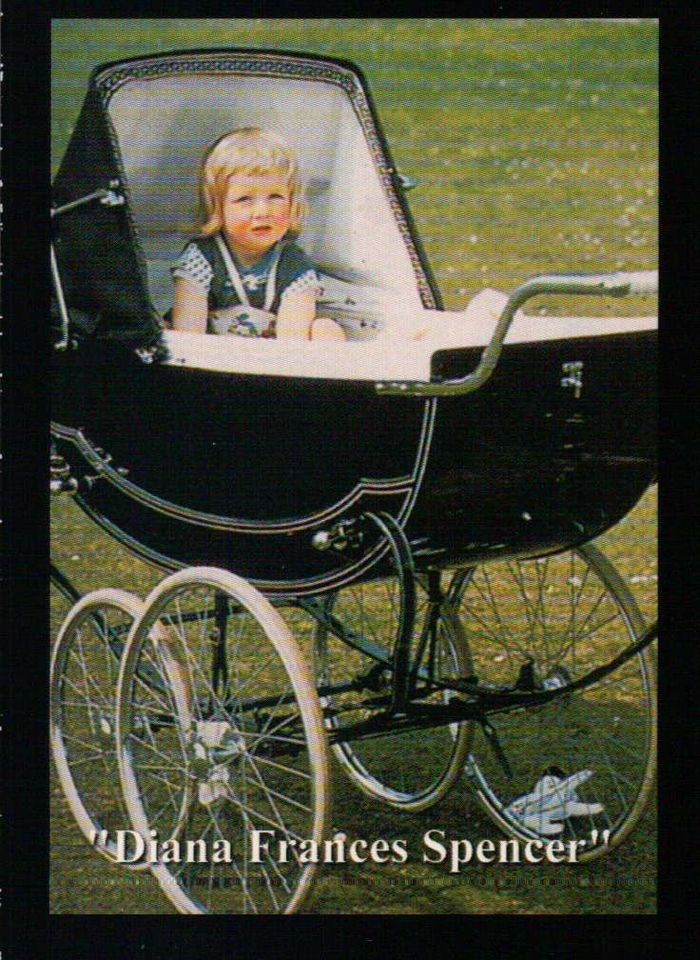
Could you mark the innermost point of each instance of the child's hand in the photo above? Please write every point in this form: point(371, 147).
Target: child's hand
point(323, 328)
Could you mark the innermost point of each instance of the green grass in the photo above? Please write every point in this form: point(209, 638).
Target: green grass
point(535, 147)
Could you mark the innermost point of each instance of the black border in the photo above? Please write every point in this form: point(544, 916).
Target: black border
point(25, 504)
point(24, 744)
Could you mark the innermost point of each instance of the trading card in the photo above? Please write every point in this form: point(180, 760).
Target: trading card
point(353, 464)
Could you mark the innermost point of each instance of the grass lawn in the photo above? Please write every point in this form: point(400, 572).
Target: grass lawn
point(535, 147)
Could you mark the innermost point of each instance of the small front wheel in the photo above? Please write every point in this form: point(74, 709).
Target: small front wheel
point(410, 770)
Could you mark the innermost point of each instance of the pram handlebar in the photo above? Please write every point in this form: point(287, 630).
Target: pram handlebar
point(621, 284)
point(642, 283)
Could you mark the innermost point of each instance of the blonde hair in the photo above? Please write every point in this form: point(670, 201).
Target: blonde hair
point(251, 151)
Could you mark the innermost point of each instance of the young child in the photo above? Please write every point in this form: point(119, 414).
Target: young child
point(244, 273)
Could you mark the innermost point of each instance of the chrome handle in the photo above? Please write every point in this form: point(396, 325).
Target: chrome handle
point(596, 284)
point(643, 283)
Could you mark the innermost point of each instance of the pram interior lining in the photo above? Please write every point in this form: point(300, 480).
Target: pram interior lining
point(384, 358)
point(165, 124)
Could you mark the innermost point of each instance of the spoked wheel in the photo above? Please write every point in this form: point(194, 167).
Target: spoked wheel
point(410, 770)
point(583, 764)
point(228, 743)
point(84, 671)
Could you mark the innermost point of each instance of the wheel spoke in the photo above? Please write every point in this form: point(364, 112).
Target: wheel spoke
point(407, 770)
point(221, 664)
point(83, 706)
point(593, 750)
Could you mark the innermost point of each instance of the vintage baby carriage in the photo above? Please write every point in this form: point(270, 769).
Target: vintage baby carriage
point(381, 547)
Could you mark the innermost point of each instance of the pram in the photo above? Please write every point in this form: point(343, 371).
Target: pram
point(425, 504)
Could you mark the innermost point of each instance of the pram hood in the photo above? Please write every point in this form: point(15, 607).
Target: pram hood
point(143, 129)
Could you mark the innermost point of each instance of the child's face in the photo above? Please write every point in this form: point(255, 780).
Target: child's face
point(257, 211)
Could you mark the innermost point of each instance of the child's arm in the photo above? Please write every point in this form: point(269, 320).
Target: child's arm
point(296, 315)
point(190, 307)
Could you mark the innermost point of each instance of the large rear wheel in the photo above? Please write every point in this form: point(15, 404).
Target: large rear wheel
point(229, 743)
point(582, 766)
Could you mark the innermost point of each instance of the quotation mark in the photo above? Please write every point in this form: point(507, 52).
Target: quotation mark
point(98, 835)
point(605, 834)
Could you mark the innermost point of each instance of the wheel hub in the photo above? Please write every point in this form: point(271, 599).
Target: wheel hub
point(105, 727)
point(216, 744)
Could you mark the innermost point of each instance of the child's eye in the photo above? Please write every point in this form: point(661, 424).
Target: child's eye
point(277, 196)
